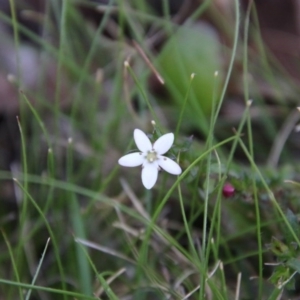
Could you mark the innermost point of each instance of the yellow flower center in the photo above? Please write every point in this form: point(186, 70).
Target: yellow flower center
point(151, 156)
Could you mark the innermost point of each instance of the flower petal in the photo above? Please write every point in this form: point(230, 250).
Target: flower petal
point(164, 143)
point(132, 160)
point(149, 175)
point(169, 165)
point(142, 141)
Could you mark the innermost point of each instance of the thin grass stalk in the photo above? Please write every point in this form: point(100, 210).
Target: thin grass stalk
point(55, 244)
point(14, 263)
point(153, 114)
point(111, 295)
point(15, 26)
point(187, 226)
point(205, 243)
point(184, 105)
point(200, 10)
point(250, 141)
point(77, 223)
point(24, 200)
point(264, 55)
point(223, 281)
point(61, 57)
point(37, 270)
point(38, 118)
point(232, 58)
point(62, 292)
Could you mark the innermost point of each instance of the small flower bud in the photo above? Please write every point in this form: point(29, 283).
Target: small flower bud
point(228, 190)
point(11, 78)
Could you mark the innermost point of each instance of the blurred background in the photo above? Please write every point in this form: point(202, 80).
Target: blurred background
point(62, 73)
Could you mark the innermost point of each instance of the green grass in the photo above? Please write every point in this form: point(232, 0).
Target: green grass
point(84, 227)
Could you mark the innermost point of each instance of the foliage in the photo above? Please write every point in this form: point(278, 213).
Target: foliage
point(81, 77)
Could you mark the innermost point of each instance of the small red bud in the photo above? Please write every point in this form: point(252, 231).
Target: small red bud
point(228, 190)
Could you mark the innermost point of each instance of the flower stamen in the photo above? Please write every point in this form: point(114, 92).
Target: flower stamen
point(151, 156)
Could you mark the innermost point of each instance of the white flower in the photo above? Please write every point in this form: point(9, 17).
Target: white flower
point(150, 157)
